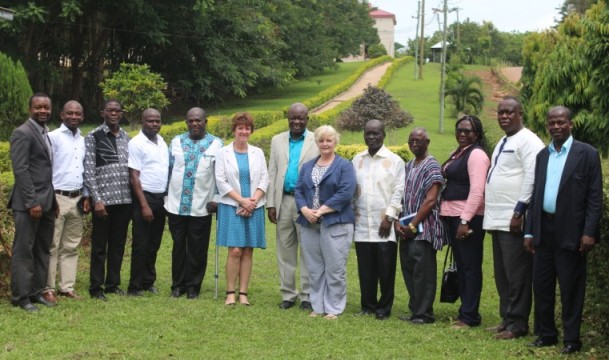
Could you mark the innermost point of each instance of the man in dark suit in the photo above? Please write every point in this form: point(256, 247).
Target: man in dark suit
point(562, 226)
point(34, 206)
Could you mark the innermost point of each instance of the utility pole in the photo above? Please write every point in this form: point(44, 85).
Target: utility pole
point(422, 41)
point(416, 40)
point(443, 74)
point(456, 9)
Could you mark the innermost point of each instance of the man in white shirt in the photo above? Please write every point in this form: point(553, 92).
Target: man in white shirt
point(68, 156)
point(378, 201)
point(148, 174)
point(509, 185)
point(191, 200)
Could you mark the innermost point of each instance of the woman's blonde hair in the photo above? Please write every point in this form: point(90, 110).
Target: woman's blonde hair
point(327, 131)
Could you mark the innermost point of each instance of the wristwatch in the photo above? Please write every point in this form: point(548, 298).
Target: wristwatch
point(391, 219)
point(464, 222)
point(517, 215)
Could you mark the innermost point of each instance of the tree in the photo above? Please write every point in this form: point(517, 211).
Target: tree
point(14, 93)
point(465, 93)
point(137, 88)
point(377, 104)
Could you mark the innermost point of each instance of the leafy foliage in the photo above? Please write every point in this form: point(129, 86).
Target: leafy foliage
point(376, 50)
point(14, 94)
point(137, 88)
point(465, 93)
point(377, 104)
point(568, 66)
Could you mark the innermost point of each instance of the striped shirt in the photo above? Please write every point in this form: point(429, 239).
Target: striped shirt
point(419, 180)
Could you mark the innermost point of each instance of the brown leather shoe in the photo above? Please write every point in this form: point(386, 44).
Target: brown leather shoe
point(69, 294)
point(497, 329)
point(508, 335)
point(49, 296)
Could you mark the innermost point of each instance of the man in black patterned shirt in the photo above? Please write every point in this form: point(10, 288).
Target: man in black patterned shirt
point(107, 179)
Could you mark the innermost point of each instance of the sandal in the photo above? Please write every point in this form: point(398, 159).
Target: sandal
point(246, 302)
point(314, 314)
point(226, 302)
point(330, 317)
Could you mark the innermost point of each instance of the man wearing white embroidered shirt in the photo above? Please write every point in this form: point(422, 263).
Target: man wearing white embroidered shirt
point(68, 156)
point(378, 201)
point(148, 174)
point(509, 185)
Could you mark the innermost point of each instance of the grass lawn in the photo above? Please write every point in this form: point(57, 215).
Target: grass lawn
point(158, 327)
point(296, 92)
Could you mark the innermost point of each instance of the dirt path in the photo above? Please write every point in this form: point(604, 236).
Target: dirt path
point(493, 91)
point(372, 77)
point(513, 74)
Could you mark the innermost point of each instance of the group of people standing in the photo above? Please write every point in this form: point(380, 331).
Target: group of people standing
point(542, 206)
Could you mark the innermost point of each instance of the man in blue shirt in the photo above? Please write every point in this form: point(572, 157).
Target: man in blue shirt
point(289, 150)
point(562, 226)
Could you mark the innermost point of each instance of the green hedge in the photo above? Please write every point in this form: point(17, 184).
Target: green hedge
point(5, 157)
point(395, 65)
point(349, 151)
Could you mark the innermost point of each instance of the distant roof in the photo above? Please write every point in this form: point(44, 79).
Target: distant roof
point(439, 45)
point(380, 14)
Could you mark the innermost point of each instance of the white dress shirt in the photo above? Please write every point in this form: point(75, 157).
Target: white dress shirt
point(151, 160)
point(380, 188)
point(68, 156)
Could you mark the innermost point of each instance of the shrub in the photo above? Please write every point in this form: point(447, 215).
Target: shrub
point(376, 50)
point(5, 157)
point(137, 88)
point(349, 151)
point(465, 93)
point(14, 93)
point(395, 65)
point(374, 103)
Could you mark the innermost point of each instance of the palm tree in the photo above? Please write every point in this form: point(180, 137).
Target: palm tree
point(465, 93)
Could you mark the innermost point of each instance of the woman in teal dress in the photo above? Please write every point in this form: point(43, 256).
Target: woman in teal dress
point(242, 180)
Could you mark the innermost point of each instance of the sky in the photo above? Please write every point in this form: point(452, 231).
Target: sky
point(506, 15)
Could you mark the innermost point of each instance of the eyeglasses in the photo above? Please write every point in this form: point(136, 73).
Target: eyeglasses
point(110, 111)
point(464, 131)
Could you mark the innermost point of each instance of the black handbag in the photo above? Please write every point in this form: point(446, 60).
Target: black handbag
point(449, 293)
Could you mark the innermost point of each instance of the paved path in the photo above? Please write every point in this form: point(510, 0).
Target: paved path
point(372, 77)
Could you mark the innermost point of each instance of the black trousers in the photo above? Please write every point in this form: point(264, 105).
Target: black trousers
point(146, 242)
point(513, 268)
point(30, 262)
point(468, 255)
point(189, 255)
point(108, 238)
point(551, 262)
point(420, 272)
point(376, 264)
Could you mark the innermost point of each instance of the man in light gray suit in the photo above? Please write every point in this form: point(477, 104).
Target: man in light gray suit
point(34, 206)
point(289, 150)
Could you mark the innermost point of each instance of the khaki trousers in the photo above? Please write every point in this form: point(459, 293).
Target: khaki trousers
point(288, 238)
point(64, 249)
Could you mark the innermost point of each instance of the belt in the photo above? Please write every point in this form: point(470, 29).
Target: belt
point(291, 193)
point(70, 194)
point(548, 216)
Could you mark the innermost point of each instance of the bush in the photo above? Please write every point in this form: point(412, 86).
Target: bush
point(376, 50)
point(137, 88)
point(349, 151)
point(375, 103)
point(395, 65)
point(15, 91)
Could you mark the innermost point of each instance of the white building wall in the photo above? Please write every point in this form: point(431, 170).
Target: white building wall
point(385, 28)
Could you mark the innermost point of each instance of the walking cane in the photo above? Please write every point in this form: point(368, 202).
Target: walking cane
point(216, 274)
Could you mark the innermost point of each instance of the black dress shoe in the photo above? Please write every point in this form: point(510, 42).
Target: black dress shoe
point(176, 293)
point(99, 296)
point(152, 290)
point(39, 299)
point(115, 291)
point(544, 341)
point(570, 349)
point(285, 304)
point(135, 293)
point(420, 321)
point(306, 305)
point(364, 313)
point(27, 306)
point(192, 294)
point(380, 316)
